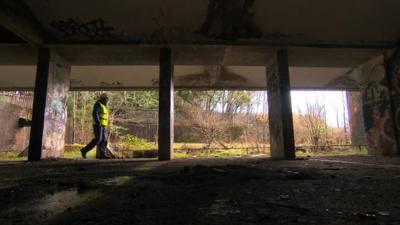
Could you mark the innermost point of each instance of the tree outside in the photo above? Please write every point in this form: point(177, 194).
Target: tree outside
point(209, 123)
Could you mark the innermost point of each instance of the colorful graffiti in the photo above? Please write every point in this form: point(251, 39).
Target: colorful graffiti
point(56, 107)
point(378, 120)
point(371, 79)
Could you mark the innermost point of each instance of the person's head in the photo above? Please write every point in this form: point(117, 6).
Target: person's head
point(103, 98)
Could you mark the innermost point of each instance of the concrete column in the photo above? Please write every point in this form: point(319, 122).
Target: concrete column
point(393, 67)
point(49, 114)
point(166, 105)
point(356, 118)
point(377, 108)
point(280, 107)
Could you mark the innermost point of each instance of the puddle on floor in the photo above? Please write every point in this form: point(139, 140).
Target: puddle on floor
point(47, 207)
point(63, 200)
point(39, 211)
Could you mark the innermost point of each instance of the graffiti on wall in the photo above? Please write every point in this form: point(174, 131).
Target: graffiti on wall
point(370, 78)
point(56, 107)
point(111, 84)
point(95, 29)
point(378, 120)
point(230, 19)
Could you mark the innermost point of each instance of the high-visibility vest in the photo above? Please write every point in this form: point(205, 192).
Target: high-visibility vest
point(104, 115)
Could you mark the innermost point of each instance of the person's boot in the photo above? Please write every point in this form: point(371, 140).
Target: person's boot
point(101, 155)
point(104, 156)
point(83, 153)
point(109, 154)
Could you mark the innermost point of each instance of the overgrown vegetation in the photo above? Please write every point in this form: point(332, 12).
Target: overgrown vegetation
point(207, 124)
point(135, 143)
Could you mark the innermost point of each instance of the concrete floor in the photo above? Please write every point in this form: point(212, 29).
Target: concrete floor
point(323, 190)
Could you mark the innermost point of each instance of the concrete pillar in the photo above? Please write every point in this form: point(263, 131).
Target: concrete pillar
point(49, 114)
point(356, 118)
point(377, 108)
point(280, 107)
point(166, 105)
point(393, 67)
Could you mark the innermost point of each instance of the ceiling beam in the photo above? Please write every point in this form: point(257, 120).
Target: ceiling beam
point(86, 55)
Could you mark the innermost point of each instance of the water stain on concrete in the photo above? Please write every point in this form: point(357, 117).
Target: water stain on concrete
point(44, 209)
point(230, 19)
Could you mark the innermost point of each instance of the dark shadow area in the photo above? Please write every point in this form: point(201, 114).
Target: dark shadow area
point(8, 37)
point(203, 191)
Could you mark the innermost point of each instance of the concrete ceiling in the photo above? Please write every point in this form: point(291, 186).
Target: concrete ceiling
point(216, 43)
point(339, 22)
point(16, 54)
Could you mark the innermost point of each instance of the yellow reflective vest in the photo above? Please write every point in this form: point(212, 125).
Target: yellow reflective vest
point(104, 114)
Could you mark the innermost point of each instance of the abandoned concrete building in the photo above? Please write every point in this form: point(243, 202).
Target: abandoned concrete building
point(53, 47)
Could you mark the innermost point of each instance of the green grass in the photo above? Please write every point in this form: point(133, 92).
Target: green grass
point(73, 152)
point(336, 152)
point(12, 155)
point(218, 153)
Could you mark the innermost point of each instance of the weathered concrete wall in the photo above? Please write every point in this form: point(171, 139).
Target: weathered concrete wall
point(13, 137)
point(22, 139)
point(56, 107)
point(9, 125)
point(378, 120)
point(356, 118)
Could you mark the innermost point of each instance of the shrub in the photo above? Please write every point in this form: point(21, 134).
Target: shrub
point(133, 142)
point(237, 131)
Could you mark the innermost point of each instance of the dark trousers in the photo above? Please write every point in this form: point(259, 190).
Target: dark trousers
point(100, 139)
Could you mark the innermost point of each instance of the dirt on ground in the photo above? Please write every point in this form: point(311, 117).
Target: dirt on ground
point(325, 190)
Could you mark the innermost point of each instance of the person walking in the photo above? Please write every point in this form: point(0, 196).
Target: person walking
point(100, 116)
